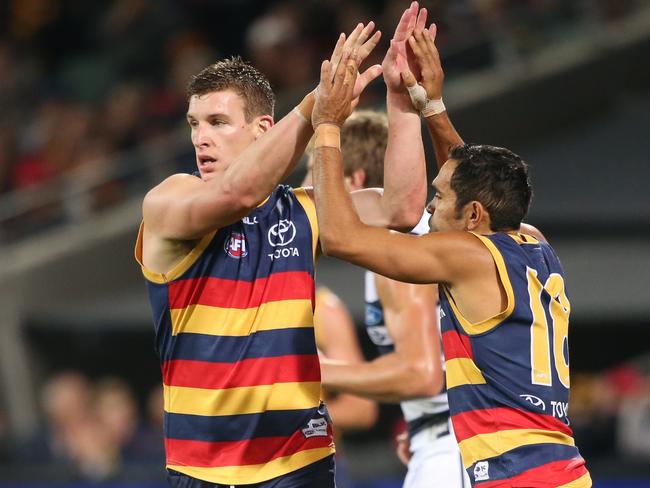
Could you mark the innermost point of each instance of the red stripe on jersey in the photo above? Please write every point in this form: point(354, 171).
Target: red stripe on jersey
point(220, 292)
point(456, 345)
point(556, 473)
point(238, 453)
point(247, 372)
point(475, 422)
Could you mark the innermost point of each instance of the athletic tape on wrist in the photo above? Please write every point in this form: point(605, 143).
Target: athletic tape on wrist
point(433, 107)
point(327, 135)
point(418, 96)
point(422, 104)
point(300, 115)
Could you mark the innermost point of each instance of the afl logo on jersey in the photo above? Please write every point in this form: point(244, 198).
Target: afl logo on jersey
point(282, 233)
point(236, 246)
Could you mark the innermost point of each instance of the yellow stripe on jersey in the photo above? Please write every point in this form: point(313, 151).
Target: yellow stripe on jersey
point(490, 323)
point(583, 482)
point(255, 473)
point(204, 319)
point(484, 446)
point(179, 268)
point(310, 209)
point(520, 238)
point(242, 400)
point(463, 371)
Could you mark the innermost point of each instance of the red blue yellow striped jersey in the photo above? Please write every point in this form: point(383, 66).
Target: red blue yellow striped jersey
point(508, 376)
point(234, 332)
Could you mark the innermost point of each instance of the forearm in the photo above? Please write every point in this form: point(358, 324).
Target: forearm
point(405, 178)
point(443, 136)
point(336, 214)
point(267, 161)
point(351, 412)
point(391, 378)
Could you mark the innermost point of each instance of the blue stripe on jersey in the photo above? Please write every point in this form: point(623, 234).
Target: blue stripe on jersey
point(230, 349)
point(467, 398)
point(524, 458)
point(225, 428)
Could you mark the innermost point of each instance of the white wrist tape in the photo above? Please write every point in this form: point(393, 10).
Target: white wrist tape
point(422, 104)
point(433, 107)
point(418, 96)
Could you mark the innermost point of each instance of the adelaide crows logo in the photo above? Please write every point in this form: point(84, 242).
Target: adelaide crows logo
point(236, 246)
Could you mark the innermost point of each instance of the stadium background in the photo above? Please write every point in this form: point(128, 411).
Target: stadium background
point(92, 115)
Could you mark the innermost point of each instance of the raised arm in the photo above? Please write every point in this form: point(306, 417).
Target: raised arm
point(343, 234)
point(430, 85)
point(414, 369)
point(184, 207)
point(405, 177)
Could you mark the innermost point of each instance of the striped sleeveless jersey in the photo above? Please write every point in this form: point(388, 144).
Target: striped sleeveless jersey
point(234, 332)
point(508, 376)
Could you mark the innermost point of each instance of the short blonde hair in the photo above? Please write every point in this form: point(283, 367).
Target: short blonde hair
point(363, 145)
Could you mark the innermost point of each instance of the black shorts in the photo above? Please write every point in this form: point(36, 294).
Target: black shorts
point(316, 475)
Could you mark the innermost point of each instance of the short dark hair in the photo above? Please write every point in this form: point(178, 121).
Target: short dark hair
point(242, 77)
point(363, 144)
point(497, 178)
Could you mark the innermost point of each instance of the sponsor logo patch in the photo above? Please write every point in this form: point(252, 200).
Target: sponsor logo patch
point(282, 233)
point(481, 471)
point(315, 428)
point(534, 401)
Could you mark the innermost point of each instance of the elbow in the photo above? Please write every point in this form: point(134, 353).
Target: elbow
point(424, 380)
point(330, 242)
point(406, 219)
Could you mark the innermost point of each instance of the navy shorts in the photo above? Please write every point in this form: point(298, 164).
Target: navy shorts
point(316, 475)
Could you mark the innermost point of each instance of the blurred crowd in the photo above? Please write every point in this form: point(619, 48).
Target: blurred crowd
point(92, 431)
point(83, 81)
point(99, 431)
point(610, 412)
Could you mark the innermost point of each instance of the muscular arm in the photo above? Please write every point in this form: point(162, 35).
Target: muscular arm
point(337, 340)
point(405, 177)
point(184, 207)
point(414, 369)
point(431, 258)
point(441, 130)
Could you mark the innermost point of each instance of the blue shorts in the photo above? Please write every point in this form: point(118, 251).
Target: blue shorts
point(316, 475)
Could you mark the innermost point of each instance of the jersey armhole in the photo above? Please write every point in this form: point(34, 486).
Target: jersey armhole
point(310, 209)
point(492, 322)
point(179, 268)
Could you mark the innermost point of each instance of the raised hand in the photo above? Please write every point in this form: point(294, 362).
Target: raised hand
point(397, 57)
point(431, 76)
point(364, 43)
point(336, 90)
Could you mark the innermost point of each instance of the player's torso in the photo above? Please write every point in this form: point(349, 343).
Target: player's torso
point(234, 331)
point(508, 377)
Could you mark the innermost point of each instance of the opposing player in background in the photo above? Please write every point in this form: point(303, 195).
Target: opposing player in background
point(229, 262)
point(504, 309)
point(336, 337)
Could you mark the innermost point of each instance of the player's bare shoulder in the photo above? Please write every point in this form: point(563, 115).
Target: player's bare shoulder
point(167, 194)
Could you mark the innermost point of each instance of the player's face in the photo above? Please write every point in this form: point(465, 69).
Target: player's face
point(219, 130)
point(443, 205)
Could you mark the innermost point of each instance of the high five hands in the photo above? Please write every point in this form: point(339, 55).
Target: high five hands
point(411, 65)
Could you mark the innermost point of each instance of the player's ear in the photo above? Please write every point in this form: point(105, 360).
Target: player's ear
point(475, 213)
point(262, 124)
